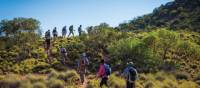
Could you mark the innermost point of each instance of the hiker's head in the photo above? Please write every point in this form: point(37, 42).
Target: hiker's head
point(80, 25)
point(130, 64)
point(102, 61)
point(84, 54)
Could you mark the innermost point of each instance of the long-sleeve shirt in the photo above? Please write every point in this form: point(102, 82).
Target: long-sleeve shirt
point(101, 71)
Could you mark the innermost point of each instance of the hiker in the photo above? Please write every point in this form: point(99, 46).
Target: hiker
point(130, 74)
point(80, 30)
point(63, 52)
point(103, 73)
point(64, 31)
point(82, 66)
point(71, 30)
point(47, 39)
point(55, 33)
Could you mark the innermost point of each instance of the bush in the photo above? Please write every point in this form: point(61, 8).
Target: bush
point(187, 84)
point(182, 76)
point(116, 82)
point(55, 83)
point(53, 74)
point(93, 83)
point(72, 76)
point(28, 66)
point(133, 50)
point(39, 85)
point(10, 81)
point(35, 78)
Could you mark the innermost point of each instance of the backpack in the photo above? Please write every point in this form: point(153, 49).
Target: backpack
point(63, 50)
point(47, 35)
point(107, 69)
point(132, 74)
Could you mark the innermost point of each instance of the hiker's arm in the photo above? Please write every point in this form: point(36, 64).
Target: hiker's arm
point(87, 61)
point(136, 74)
point(125, 72)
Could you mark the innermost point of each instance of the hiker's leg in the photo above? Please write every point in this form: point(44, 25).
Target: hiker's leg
point(127, 84)
point(82, 77)
point(133, 85)
point(101, 83)
point(63, 58)
point(106, 81)
point(48, 44)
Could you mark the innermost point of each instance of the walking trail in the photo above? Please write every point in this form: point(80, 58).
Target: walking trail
point(84, 84)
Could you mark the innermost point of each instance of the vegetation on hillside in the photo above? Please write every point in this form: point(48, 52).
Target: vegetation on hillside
point(176, 15)
point(166, 57)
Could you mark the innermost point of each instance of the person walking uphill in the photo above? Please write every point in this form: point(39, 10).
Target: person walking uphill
point(55, 33)
point(71, 30)
point(103, 73)
point(47, 40)
point(80, 30)
point(82, 67)
point(64, 31)
point(130, 73)
point(64, 56)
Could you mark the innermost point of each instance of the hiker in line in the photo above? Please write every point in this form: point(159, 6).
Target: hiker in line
point(47, 40)
point(64, 56)
point(55, 33)
point(64, 31)
point(130, 74)
point(71, 30)
point(80, 30)
point(82, 66)
point(103, 73)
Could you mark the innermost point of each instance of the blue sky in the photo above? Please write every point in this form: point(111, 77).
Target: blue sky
point(57, 13)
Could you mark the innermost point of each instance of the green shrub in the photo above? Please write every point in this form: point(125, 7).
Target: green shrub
point(72, 76)
point(182, 76)
point(35, 78)
point(55, 83)
point(116, 82)
point(133, 50)
point(39, 85)
point(187, 84)
point(63, 76)
point(93, 83)
point(25, 84)
point(58, 66)
point(10, 81)
point(53, 74)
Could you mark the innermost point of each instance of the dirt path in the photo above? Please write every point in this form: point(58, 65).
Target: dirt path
point(84, 84)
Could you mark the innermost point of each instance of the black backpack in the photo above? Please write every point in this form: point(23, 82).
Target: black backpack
point(132, 75)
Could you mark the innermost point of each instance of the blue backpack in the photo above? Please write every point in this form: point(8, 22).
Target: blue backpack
point(107, 69)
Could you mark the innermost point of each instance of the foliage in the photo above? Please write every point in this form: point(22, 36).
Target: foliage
point(39, 80)
point(116, 82)
point(176, 15)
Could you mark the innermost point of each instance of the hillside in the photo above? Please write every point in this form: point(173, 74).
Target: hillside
point(164, 47)
point(175, 15)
